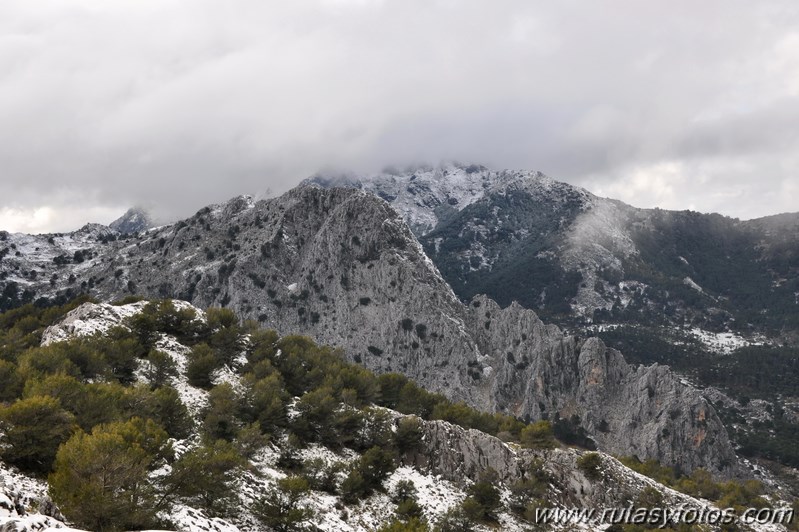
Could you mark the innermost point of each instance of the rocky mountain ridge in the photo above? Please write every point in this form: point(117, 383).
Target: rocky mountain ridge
point(342, 266)
point(577, 258)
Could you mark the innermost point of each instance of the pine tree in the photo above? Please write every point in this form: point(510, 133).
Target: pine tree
point(206, 475)
point(100, 480)
point(31, 431)
point(280, 509)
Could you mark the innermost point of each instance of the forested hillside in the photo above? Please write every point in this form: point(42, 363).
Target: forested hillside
point(156, 414)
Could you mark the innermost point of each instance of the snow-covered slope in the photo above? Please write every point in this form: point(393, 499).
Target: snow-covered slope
point(449, 460)
point(427, 195)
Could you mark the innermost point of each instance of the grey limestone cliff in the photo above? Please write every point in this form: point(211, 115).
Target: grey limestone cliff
point(462, 456)
point(646, 411)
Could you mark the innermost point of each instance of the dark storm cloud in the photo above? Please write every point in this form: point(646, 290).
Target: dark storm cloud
point(176, 104)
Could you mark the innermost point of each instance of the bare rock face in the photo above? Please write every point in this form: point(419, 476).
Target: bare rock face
point(460, 454)
point(342, 266)
point(644, 411)
point(463, 456)
point(88, 319)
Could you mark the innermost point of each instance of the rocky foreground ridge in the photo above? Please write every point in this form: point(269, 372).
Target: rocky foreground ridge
point(447, 460)
point(342, 266)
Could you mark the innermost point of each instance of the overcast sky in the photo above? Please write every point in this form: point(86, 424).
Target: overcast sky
point(176, 104)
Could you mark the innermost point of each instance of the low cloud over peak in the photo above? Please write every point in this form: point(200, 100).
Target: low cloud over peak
point(179, 104)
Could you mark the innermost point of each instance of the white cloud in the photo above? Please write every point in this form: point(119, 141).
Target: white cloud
point(48, 219)
point(742, 187)
point(660, 185)
point(179, 103)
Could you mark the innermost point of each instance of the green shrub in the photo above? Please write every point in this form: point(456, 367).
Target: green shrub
point(102, 402)
point(31, 430)
point(289, 458)
point(530, 489)
point(571, 432)
point(591, 465)
point(145, 327)
point(205, 476)
point(91, 497)
point(368, 474)
point(280, 509)
point(162, 316)
point(700, 484)
point(121, 351)
point(652, 469)
point(159, 368)
point(742, 495)
point(227, 345)
point(202, 363)
point(10, 382)
point(262, 346)
point(455, 520)
point(409, 434)
point(538, 435)
point(649, 497)
point(349, 426)
point(483, 498)
point(320, 475)
point(351, 377)
point(354, 487)
point(265, 401)
point(375, 430)
point(315, 419)
point(165, 407)
point(220, 420)
point(251, 439)
point(49, 360)
point(71, 394)
point(408, 509)
point(404, 489)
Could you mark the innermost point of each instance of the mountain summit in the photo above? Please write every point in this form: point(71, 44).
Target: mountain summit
point(427, 196)
point(135, 220)
point(580, 259)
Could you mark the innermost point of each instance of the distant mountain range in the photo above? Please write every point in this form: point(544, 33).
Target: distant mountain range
point(580, 259)
point(397, 284)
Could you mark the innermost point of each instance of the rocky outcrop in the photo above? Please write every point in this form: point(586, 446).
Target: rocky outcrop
point(25, 505)
point(536, 371)
point(446, 460)
point(343, 267)
point(463, 456)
